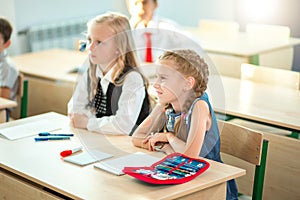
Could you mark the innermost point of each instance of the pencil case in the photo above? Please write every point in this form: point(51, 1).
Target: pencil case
point(175, 168)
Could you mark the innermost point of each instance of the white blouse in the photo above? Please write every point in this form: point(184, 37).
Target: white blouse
point(129, 105)
point(8, 74)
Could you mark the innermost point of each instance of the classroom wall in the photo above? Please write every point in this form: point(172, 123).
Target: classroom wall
point(24, 13)
point(32, 12)
point(189, 12)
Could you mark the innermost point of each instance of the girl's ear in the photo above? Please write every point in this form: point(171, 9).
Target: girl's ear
point(7, 44)
point(190, 82)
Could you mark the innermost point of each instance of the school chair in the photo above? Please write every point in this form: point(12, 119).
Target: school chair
point(266, 33)
point(271, 76)
point(268, 75)
point(23, 93)
point(245, 148)
point(3, 115)
point(22, 98)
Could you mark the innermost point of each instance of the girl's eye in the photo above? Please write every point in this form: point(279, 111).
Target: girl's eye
point(163, 78)
point(99, 42)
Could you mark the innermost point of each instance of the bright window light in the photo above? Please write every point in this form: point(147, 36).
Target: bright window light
point(260, 10)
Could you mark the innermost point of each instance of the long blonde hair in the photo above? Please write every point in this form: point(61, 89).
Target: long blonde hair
point(119, 25)
point(188, 63)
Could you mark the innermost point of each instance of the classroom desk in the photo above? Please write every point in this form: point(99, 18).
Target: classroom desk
point(34, 170)
point(50, 83)
point(259, 102)
point(274, 106)
point(229, 51)
point(5, 103)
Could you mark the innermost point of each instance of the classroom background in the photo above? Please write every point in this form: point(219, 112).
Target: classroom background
point(268, 102)
point(28, 13)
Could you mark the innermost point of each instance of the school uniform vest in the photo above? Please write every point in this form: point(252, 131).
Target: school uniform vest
point(107, 105)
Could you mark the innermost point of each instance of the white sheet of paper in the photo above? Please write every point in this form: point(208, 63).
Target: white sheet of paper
point(29, 129)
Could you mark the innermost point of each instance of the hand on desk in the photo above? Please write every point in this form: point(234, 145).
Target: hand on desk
point(79, 120)
point(155, 140)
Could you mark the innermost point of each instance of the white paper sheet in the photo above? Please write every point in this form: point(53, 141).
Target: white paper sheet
point(29, 129)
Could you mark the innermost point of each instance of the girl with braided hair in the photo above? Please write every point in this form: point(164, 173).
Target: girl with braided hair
point(183, 120)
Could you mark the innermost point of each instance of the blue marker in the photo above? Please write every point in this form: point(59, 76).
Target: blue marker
point(51, 138)
point(59, 134)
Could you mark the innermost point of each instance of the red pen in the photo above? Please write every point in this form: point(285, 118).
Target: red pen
point(70, 152)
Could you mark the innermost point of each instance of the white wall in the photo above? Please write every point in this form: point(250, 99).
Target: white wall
point(31, 12)
point(188, 12)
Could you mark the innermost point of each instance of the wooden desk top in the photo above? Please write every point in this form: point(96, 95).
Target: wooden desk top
point(52, 64)
point(241, 44)
point(6, 103)
point(261, 102)
point(40, 162)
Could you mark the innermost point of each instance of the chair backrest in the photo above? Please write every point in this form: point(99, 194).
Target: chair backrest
point(269, 32)
point(21, 85)
point(219, 26)
point(22, 98)
point(269, 75)
point(241, 142)
point(250, 147)
point(272, 34)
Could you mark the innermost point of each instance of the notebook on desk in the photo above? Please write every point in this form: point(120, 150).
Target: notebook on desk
point(116, 165)
point(86, 158)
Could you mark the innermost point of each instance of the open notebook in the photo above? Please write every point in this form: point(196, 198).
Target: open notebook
point(117, 165)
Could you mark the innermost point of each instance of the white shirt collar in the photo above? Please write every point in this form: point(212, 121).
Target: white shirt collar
point(153, 23)
point(106, 79)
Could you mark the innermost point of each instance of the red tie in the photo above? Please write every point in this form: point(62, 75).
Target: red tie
point(148, 47)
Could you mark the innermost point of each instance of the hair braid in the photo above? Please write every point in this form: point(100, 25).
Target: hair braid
point(180, 127)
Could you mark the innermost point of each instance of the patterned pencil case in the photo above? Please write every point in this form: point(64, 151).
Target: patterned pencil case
point(175, 168)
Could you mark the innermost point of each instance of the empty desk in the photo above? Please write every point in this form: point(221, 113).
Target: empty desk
point(228, 52)
point(50, 83)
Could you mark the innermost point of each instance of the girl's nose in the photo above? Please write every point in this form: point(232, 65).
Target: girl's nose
point(156, 84)
point(91, 46)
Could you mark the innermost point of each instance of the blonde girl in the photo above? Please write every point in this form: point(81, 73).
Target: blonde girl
point(183, 120)
point(111, 96)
